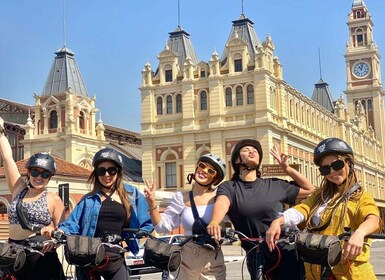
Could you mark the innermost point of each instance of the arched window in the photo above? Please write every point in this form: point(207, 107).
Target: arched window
point(229, 97)
point(359, 37)
point(239, 95)
point(159, 106)
point(170, 170)
point(370, 105)
point(81, 120)
point(250, 94)
point(169, 104)
point(53, 119)
point(179, 103)
point(203, 100)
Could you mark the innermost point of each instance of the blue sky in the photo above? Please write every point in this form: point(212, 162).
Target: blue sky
point(113, 39)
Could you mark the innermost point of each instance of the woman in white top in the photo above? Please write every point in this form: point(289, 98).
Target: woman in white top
point(198, 261)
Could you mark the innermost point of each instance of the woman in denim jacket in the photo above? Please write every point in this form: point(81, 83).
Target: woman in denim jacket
point(107, 209)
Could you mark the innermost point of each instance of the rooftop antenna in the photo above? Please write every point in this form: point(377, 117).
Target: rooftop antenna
point(319, 63)
point(64, 23)
point(179, 13)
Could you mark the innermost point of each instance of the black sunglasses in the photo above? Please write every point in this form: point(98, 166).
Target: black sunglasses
point(101, 171)
point(44, 174)
point(336, 165)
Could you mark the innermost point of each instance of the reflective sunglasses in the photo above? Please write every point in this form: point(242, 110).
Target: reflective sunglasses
point(101, 171)
point(44, 174)
point(203, 166)
point(336, 165)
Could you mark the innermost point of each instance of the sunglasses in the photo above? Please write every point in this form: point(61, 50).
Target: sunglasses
point(336, 165)
point(101, 171)
point(44, 174)
point(203, 166)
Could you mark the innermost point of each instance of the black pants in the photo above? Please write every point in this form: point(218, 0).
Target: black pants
point(113, 268)
point(37, 267)
point(261, 261)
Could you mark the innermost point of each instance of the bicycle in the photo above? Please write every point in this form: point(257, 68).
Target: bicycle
point(108, 240)
point(14, 255)
point(204, 240)
point(264, 272)
point(326, 271)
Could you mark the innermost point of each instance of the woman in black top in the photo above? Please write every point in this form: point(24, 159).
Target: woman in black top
point(252, 203)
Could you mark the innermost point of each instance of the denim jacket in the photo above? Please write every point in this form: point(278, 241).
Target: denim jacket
point(84, 217)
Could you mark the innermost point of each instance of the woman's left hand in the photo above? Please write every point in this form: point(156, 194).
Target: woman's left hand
point(282, 158)
point(353, 246)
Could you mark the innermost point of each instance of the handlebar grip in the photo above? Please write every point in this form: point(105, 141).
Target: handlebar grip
point(131, 230)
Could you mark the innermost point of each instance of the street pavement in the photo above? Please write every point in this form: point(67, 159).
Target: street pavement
point(234, 256)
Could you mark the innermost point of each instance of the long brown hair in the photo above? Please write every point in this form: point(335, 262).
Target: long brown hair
point(332, 193)
point(95, 185)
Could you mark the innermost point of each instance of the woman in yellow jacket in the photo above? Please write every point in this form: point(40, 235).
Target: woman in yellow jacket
point(323, 213)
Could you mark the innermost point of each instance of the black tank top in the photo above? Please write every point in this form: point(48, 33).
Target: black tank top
point(112, 217)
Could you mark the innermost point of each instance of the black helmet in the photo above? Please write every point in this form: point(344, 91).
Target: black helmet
point(42, 160)
point(108, 154)
point(217, 163)
point(330, 146)
point(245, 142)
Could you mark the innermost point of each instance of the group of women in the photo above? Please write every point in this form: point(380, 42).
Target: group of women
point(253, 204)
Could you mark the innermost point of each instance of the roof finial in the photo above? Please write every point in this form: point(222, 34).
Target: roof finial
point(100, 116)
point(179, 13)
point(64, 24)
point(319, 63)
point(242, 8)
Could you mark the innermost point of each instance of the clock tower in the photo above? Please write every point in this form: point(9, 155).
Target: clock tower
point(363, 70)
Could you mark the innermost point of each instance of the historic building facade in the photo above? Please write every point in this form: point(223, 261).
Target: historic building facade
point(191, 107)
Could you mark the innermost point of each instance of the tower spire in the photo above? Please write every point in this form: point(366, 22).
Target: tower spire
point(319, 63)
point(64, 24)
point(242, 8)
point(178, 12)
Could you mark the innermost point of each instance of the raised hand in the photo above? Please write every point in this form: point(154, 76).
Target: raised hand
point(282, 158)
point(149, 191)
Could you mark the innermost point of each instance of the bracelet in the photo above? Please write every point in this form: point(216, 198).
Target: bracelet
point(214, 223)
point(152, 209)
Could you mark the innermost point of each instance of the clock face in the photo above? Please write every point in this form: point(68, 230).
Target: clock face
point(361, 69)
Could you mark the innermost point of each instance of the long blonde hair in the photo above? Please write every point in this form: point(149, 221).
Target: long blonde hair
point(95, 185)
point(332, 193)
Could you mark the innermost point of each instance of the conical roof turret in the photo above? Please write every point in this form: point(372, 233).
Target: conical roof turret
point(64, 75)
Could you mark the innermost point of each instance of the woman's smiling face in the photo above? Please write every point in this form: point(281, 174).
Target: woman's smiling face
point(335, 176)
point(107, 180)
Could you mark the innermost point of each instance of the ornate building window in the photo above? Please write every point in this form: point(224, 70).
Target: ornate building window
point(170, 174)
point(250, 94)
point(169, 104)
point(203, 73)
point(238, 65)
point(359, 37)
point(203, 98)
point(168, 75)
point(81, 120)
point(53, 119)
point(229, 97)
point(239, 96)
point(159, 106)
point(179, 103)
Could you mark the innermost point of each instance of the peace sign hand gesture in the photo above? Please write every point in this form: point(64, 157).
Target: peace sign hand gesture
point(149, 191)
